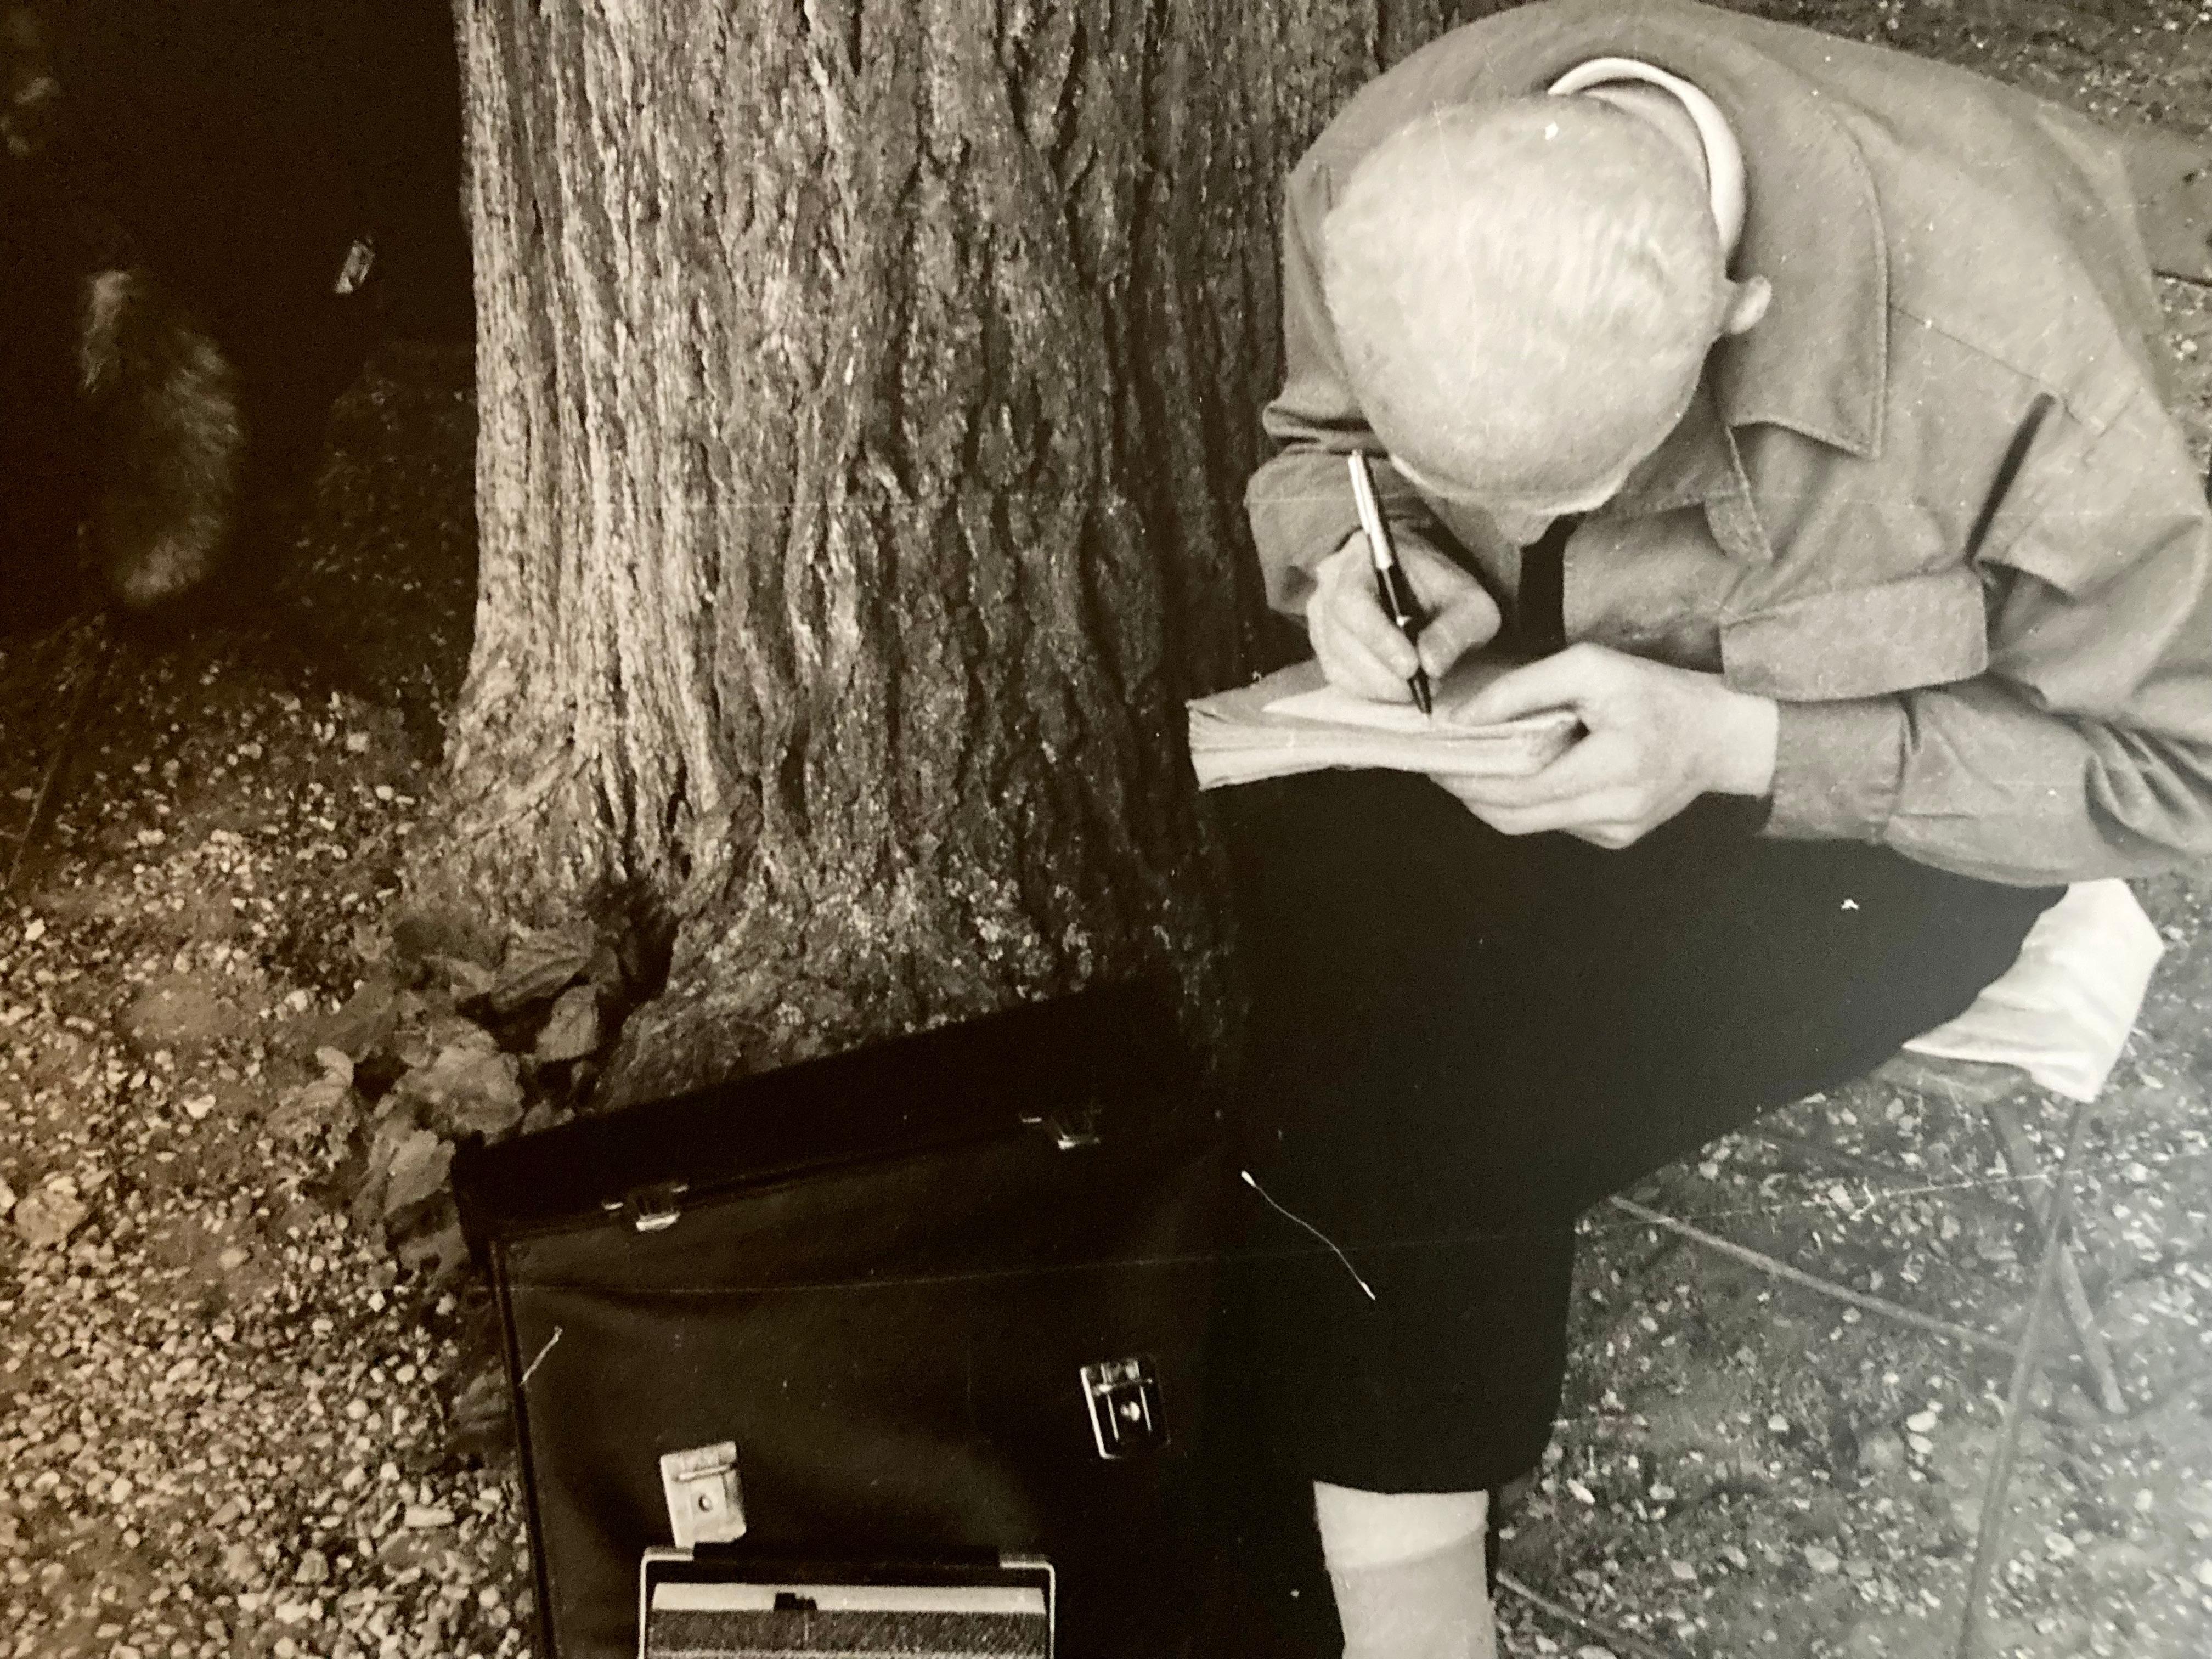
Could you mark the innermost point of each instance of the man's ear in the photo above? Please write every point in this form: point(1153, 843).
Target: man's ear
point(1747, 303)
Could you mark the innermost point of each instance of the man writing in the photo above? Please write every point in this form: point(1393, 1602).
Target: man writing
point(1795, 407)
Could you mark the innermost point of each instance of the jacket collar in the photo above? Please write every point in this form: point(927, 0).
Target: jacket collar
point(1699, 466)
point(1817, 361)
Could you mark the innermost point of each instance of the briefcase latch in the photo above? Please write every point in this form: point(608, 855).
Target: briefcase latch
point(1074, 1131)
point(1126, 1419)
point(652, 1209)
point(701, 1485)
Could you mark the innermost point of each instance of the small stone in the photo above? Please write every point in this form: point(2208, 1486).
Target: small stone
point(315, 1568)
point(1922, 1422)
point(7, 1198)
point(198, 1106)
point(239, 1562)
point(423, 1517)
point(1778, 1423)
point(1882, 1453)
point(2204, 1573)
point(231, 1509)
point(1594, 1651)
point(47, 1217)
point(1683, 1572)
point(1822, 1559)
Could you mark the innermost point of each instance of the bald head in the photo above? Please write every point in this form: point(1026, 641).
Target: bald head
point(1525, 292)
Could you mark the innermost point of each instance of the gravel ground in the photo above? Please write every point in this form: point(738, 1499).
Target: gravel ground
point(247, 1404)
point(236, 1418)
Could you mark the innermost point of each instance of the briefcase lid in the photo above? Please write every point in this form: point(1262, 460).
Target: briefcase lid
point(1113, 1052)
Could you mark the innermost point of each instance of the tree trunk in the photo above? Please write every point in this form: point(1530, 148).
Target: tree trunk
point(867, 389)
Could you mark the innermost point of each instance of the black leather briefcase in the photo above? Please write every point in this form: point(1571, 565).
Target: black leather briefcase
point(935, 1302)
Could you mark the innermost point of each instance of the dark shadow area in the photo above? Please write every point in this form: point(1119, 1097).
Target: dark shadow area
point(253, 150)
point(280, 186)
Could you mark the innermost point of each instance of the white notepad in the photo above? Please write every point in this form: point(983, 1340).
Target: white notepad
point(1294, 722)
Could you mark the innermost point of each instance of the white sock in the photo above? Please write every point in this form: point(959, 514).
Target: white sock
point(1407, 1570)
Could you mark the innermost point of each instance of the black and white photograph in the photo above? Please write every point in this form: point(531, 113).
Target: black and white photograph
point(1106, 829)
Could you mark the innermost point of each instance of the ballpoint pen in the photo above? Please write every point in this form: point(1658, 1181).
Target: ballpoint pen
point(1390, 583)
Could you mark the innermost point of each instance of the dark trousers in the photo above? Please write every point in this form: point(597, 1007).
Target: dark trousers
point(1462, 1039)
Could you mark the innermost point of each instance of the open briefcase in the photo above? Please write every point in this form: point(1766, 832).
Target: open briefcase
point(930, 1312)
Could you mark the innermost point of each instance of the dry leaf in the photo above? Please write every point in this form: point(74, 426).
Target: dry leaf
point(572, 1032)
point(418, 1169)
point(540, 966)
point(468, 1088)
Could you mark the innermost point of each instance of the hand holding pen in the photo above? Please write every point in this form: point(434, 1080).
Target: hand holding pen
point(1399, 603)
point(1362, 647)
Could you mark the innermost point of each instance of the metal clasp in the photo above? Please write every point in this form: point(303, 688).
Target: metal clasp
point(705, 1506)
point(1073, 1131)
point(1127, 1415)
point(654, 1209)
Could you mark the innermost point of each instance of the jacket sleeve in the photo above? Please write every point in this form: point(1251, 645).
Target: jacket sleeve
point(1299, 501)
point(2086, 748)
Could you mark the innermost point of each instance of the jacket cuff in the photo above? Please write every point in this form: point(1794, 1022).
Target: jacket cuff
point(1301, 510)
point(1837, 768)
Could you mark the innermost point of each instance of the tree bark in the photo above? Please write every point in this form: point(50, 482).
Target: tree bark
point(867, 389)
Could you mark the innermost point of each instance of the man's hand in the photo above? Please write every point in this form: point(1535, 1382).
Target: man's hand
point(1659, 738)
point(1360, 648)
